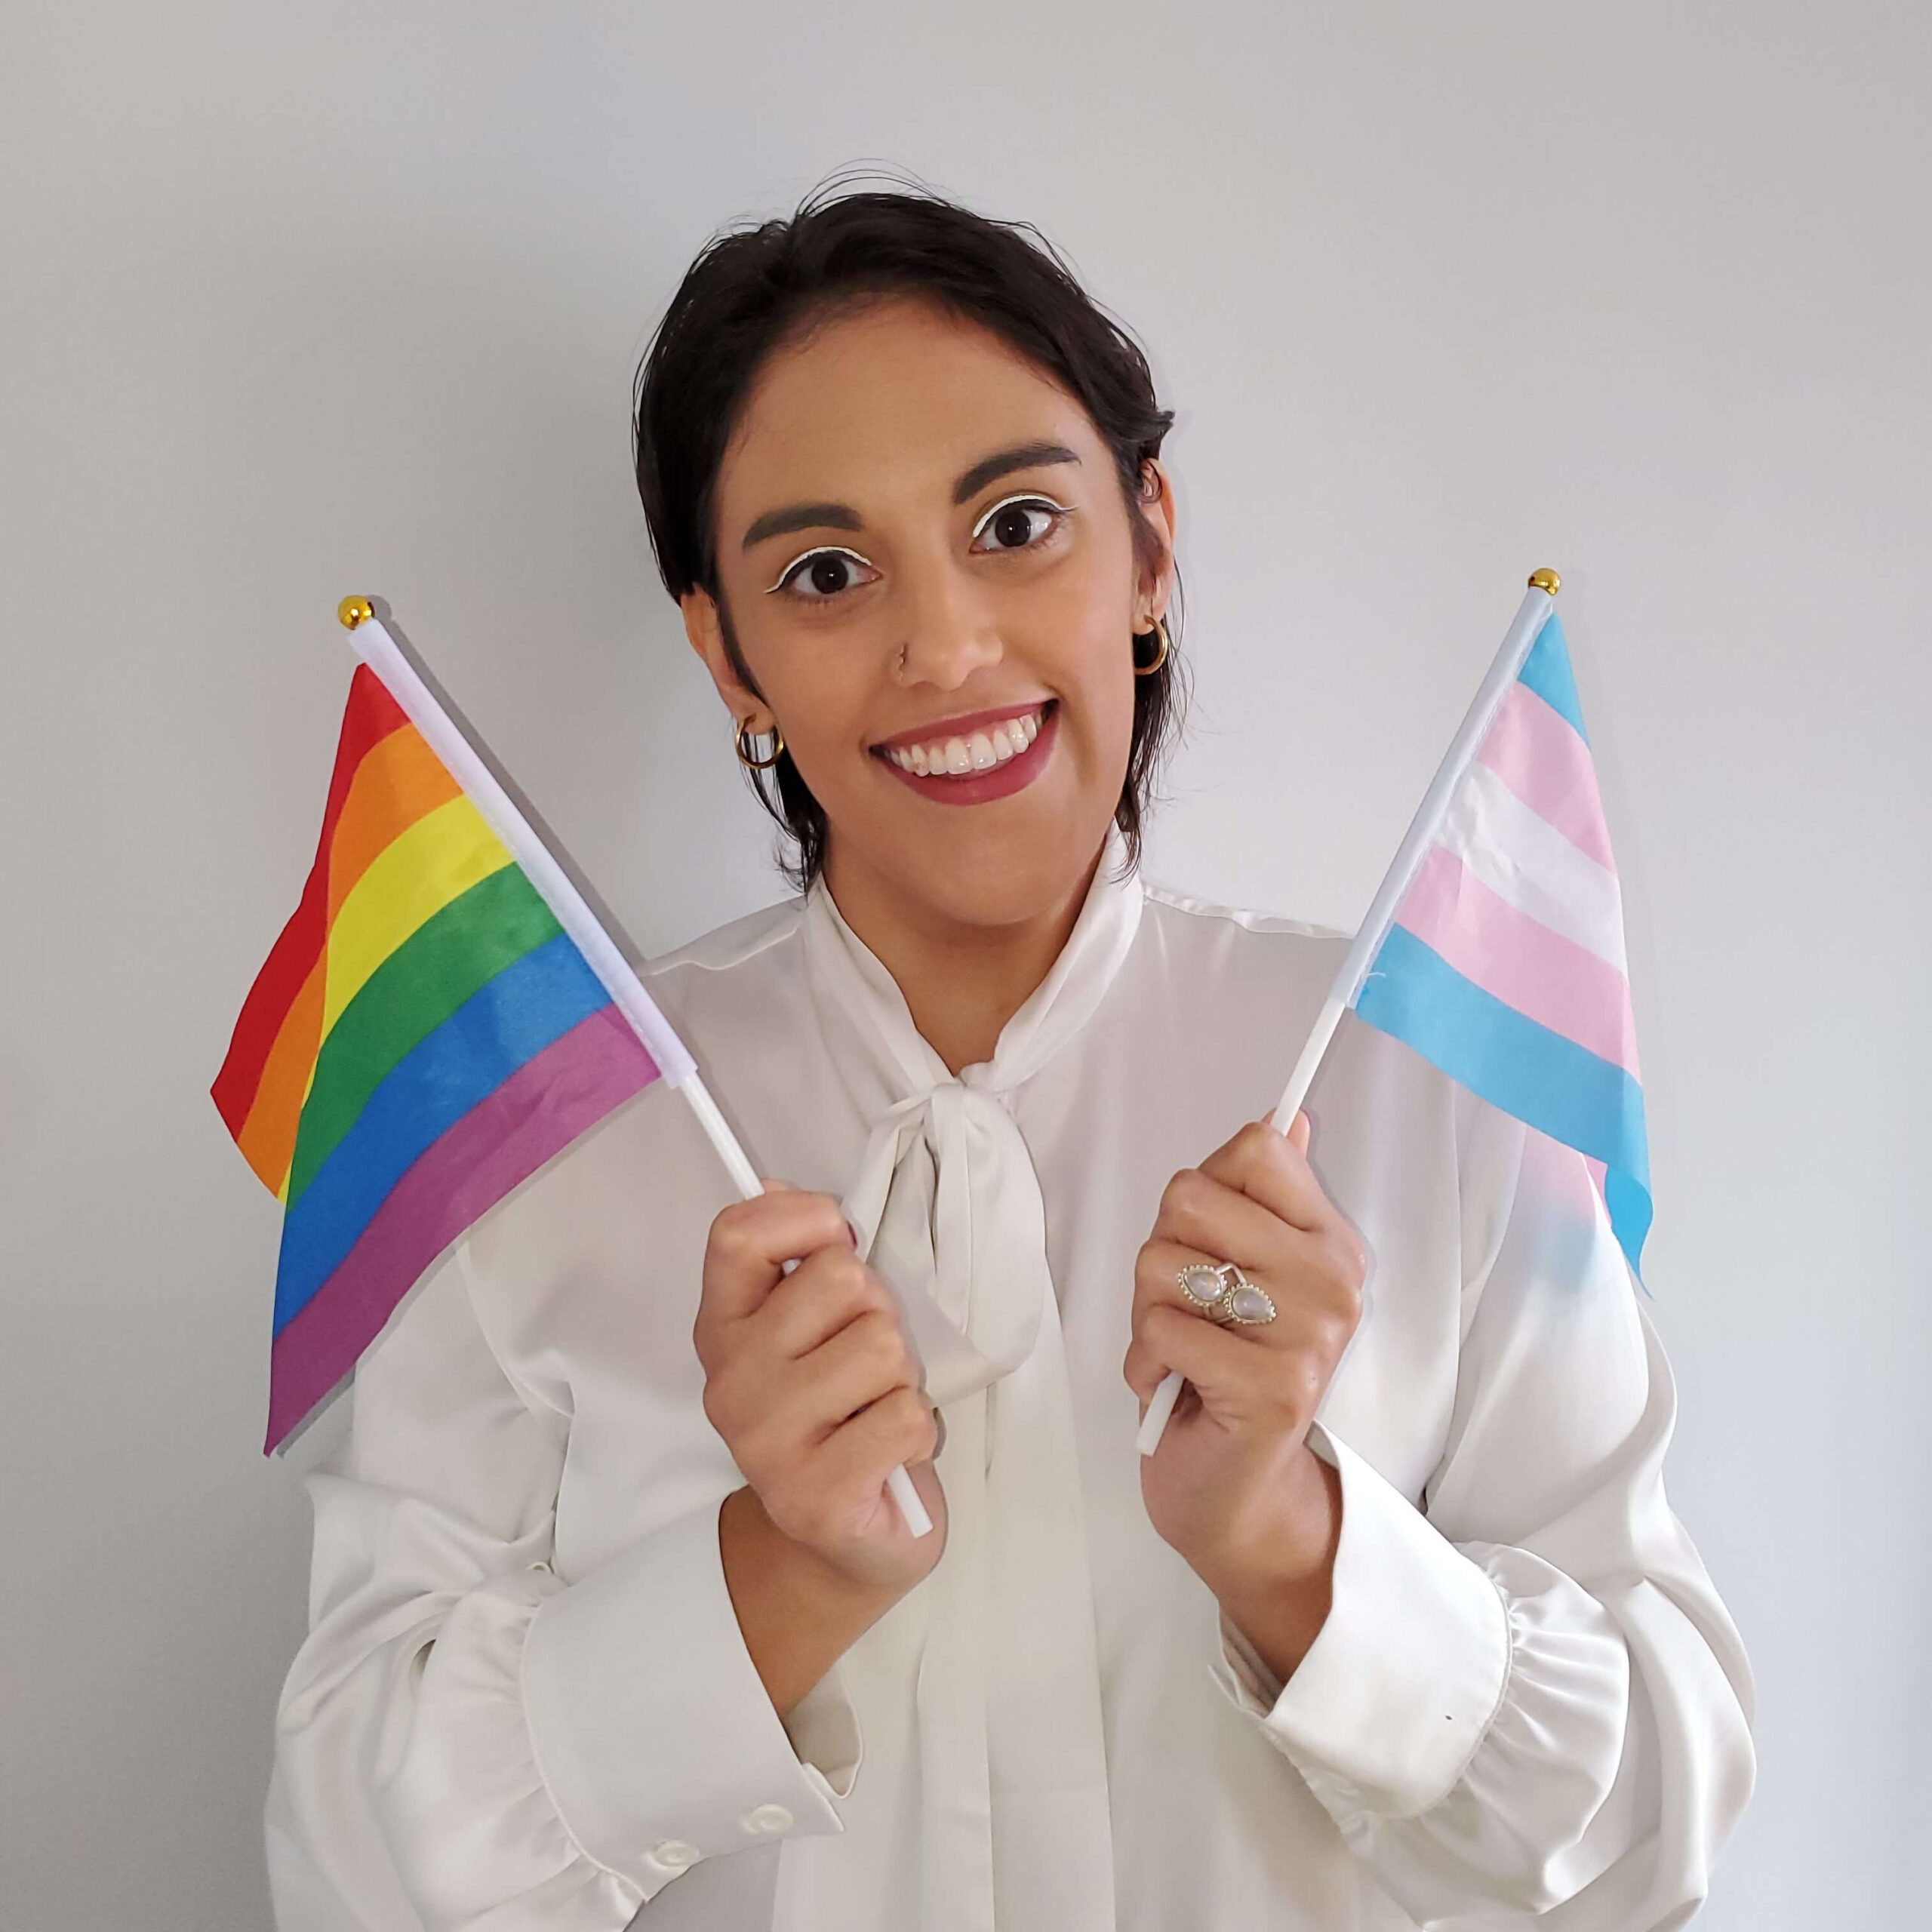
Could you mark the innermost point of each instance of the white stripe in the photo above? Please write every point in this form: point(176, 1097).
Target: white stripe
point(1524, 859)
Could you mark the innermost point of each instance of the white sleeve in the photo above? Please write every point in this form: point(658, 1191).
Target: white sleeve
point(1526, 1697)
point(466, 1738)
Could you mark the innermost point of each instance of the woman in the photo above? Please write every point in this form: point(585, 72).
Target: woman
point(610, 1602)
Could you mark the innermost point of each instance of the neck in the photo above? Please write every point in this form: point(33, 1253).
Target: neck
point(962, 982)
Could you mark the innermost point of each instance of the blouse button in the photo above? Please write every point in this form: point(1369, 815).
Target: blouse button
point(675, 1853)
point(767, 1818)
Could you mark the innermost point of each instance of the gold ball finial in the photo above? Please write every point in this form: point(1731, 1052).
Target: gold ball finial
point(1545, 580)
point(352, 610)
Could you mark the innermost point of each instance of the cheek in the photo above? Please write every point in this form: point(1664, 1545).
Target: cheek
point(1105, 693)
point(824, 714)
point(1095, 617)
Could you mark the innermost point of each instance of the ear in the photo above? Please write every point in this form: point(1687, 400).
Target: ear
point(707, 638)
point(1156, 505)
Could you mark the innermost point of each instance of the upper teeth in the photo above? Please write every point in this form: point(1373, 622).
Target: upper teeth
point(953, 758)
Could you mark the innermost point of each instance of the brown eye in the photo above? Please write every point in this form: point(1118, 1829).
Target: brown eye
point(821, 575)
point(1012, 524)
point(826, 575)
point(1013, 528)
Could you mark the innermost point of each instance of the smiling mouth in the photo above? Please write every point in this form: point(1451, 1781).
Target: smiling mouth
point(973, 754)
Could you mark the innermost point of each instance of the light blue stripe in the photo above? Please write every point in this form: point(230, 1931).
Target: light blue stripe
point(1514, 1062)
point(1546, 671)
point(509, 1020)
point(1630, 1208)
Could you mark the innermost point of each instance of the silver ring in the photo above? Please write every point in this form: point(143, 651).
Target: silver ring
point(1220, 1291)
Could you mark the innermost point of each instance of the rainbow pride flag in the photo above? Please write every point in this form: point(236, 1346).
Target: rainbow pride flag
point(1504, 963)
point(423, 1037)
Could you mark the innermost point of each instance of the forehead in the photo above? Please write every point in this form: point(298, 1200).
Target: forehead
point(897, 397)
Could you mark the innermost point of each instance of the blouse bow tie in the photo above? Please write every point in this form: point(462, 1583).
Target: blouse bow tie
point(948, 1209)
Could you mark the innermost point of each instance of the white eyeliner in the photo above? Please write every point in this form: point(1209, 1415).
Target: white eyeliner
point(840, 550)
point(816, 550)
point(1025, 496)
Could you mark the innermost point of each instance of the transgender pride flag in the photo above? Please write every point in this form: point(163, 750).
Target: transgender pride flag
point(1494, 945)
point(1504, 963)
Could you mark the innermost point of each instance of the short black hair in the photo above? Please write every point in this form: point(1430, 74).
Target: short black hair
point(754, 289)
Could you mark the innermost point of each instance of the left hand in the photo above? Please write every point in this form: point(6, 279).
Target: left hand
point(1233, 1486)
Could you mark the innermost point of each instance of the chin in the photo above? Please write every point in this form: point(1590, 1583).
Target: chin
point(1000, 874)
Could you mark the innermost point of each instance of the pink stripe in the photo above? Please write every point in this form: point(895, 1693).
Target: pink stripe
point(1543, 976)
point(1537, 753)
point(503, 1139)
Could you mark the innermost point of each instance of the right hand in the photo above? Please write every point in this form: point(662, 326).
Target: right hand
point(810, 1382)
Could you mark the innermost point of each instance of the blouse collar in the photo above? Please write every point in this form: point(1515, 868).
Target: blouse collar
point(848, 977)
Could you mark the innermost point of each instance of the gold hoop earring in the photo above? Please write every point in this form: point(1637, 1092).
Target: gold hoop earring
point(740, 743)
point(1160, 630)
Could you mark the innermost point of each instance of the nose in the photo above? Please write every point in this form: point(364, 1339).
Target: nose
point(949, 632)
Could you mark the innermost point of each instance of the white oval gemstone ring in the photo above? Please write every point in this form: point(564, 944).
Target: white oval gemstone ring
point(1219, 1291)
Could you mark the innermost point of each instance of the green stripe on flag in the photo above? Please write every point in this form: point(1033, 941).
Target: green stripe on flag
point(442, 964)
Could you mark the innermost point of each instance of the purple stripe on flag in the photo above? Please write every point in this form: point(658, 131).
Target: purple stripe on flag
point(1518, 960)
point(538, 1111)
point(1536, 752)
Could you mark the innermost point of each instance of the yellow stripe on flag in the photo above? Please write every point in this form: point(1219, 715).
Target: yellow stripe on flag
point(444, 854)
point(399, 781)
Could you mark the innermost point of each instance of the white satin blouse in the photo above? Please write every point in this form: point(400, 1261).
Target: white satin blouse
point(524, 1703)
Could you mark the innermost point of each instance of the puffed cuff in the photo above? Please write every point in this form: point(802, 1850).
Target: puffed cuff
point(652, 1730)
point(1386, 1710)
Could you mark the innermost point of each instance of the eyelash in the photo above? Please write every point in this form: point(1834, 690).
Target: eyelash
point(1059, 512)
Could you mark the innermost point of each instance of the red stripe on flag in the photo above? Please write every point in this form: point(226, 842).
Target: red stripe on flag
point(267, 1139)
point(368, 717)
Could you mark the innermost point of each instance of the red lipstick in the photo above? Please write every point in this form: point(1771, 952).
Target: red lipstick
point(978, 788)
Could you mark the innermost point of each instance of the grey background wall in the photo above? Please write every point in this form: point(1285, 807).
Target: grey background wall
point(301, 299)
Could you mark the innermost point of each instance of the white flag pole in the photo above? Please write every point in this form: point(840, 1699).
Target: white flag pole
point(372, 642)
point(1374, 928)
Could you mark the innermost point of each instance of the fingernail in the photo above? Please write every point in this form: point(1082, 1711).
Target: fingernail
point(852, 1234)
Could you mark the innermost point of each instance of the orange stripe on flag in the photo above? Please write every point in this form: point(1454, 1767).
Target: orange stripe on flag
point(399, 782)
point(267, 1139)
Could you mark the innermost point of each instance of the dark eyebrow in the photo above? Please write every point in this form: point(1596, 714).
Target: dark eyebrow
point(1022, 456)
point(802, 516)
point(842, 516)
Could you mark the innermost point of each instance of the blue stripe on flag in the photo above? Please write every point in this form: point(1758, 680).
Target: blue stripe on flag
point(1546, 671)
point(509, 1020)
point(1630, 1208)
point(1560, 1089)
